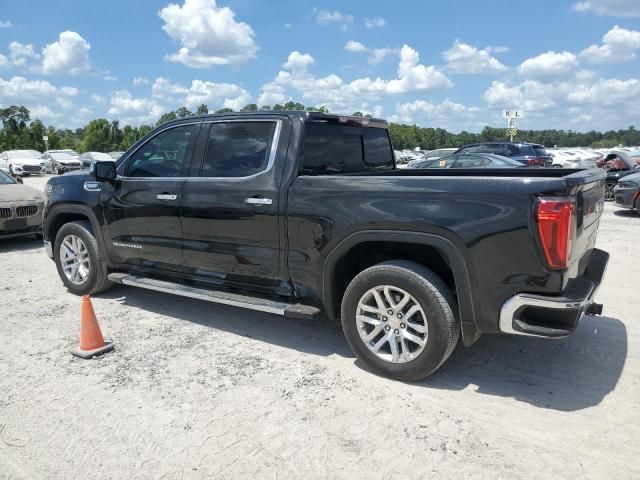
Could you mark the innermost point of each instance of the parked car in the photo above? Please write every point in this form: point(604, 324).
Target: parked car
point(432, 155)
point(529, 154)
point(616, 160)
point(60, 162)
point(115, 155)
point(87, 158)
point(298, 215)
point(22, 162)
point(20, 208)
point(627, 192)
point(565, 159)
point(611, 181)
point(469, 160)
point(635, 156)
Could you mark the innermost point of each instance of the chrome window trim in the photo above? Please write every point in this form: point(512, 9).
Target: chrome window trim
point(275, 140)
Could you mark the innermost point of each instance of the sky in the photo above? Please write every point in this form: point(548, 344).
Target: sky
point(567, 64)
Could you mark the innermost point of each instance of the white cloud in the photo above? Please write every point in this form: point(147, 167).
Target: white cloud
point(447, 114)
point(375, 22)
point(618, 45)
point(465, 58)
point(140, 81)
point(529, 95)
point(549, 65)
point(22, 55)
point(353, 46)
point(70, 54)
point(617, 8)
point(608, 93)
point(19, 89)
point(97, 99)
point(327, 17)
point(4, 61)
point(338, 95)
point(208, 35)
point(5, 24)
point(44, 113)
point(128, 109)
point(376, 55)
point(215, 95)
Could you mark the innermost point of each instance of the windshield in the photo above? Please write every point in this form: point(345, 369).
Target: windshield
point(5, 179)
point(62, 156)
point(24, 154)
point(101, 156)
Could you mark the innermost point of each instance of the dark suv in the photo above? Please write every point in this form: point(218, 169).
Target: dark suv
point(529, 154)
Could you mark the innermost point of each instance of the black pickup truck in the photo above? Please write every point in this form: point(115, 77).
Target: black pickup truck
point(298, 214)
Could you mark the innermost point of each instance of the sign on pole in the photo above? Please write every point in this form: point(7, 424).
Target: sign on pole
point(514, 114)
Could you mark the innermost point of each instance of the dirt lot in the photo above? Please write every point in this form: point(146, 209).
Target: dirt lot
point(195, 390)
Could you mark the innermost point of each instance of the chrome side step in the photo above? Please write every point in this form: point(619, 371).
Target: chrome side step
point(286, 309)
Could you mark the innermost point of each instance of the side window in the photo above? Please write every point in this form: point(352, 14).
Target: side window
point(332, 149)
point(513, 151)
point(165, 155)
point(238, 149)
point(495, 149)
point(378, 154)
point(472, 149)
point(470, 161)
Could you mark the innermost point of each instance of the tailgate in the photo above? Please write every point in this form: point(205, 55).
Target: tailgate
point(588, 188)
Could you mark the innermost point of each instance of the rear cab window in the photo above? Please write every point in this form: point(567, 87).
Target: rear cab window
point(336, 149)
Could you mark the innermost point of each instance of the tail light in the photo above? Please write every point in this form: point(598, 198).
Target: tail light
point(535, 161)
point(555, 218)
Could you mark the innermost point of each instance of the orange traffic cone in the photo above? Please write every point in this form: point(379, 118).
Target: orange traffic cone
point(91, 341)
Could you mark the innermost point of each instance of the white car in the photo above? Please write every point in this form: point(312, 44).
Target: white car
point(22, 162)
point(565, 159)
point(60, 162)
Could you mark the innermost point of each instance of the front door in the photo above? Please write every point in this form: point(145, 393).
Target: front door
point(230, 206)
point(142, 207)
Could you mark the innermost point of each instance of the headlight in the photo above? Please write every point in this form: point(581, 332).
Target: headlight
point(48, 188)
point(627, 184)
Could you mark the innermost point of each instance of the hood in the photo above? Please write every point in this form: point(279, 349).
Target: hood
point(20, 193)
point(65, 161)
point(26, 161)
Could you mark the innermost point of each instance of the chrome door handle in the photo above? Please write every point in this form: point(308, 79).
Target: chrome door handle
point(258, 201)
point(166, 196)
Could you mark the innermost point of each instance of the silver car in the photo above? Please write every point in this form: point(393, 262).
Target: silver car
point(60, 162)
point(22, 162)
point(20, 208)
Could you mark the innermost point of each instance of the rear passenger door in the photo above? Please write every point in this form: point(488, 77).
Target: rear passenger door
point(230, 204)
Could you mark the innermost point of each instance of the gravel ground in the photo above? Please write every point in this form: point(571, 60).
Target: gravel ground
point(194, 390)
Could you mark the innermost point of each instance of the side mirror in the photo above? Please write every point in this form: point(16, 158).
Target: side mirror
point(19, 180)
point(103, 170)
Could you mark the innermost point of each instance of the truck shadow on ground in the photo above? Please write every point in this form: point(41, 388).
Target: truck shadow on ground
point(20, 244)
point(627, 214)
point(568, 374)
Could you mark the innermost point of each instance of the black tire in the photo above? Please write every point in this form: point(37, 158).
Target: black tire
point(434, 297)
point(97, 280)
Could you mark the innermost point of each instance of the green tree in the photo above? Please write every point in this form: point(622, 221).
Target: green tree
point(202, 110)
point(252, 107)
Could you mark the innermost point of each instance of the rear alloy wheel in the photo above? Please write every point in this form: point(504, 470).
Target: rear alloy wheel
point(399, 319)
point(609, 195)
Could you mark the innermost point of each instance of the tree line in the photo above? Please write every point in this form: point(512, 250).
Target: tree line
point(20, 131)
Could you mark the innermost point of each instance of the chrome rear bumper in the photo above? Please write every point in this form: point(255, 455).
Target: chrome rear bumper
point(555, 316)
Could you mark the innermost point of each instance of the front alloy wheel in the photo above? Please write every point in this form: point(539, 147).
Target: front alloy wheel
point(74, 259)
